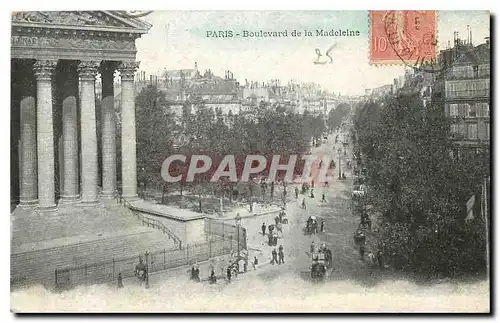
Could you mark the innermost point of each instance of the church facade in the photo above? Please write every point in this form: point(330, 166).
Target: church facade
point(55, 58)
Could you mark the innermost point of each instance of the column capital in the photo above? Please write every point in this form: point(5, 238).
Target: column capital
point(87, 70)
point(127, 70)
point(43, 69)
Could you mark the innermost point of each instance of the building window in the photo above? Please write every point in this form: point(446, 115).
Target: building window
point(471, 110)
point(486, 109)
point(454, 129)
point(472, 131)
point(475, 71)
point(487, 126)
point(453, 110)
point(484, 70)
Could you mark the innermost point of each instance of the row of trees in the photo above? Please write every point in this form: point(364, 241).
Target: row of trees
point(419, 187)
point(335, 116)
point(264, 130)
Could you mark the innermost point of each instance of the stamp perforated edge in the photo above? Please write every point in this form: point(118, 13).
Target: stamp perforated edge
point(397, 62)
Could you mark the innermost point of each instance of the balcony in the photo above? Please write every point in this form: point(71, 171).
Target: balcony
point(467, 76)
point(468, 94)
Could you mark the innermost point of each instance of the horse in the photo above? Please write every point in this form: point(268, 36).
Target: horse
point(140, 271)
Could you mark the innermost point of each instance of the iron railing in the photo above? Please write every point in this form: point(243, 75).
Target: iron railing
point(108, 271)
point(154, 223)
point(225, 230)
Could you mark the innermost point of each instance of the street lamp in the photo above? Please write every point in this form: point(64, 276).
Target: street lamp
point(143, 182)
point(237, 219)
point(147, 269)
point(340, 172)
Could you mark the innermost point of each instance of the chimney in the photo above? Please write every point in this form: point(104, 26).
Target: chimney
point(468, 33)
point(470, 36)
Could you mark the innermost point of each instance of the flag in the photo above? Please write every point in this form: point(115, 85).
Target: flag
point(470, 208)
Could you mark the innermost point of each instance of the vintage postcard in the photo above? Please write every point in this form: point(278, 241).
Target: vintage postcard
point(250, 161)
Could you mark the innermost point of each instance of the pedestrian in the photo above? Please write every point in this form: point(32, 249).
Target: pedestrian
point(274, 257)
point(304, 203)
point(281, 255)
point(313, 247)
point(380, 259)
point(296, 193)
point(277, 220)
point(312, 193)
point(197, 273)
point(263, 229)
point(322, 225)
point(323, 197)
point(270, 229)
point(228, 273)
point(360, 240)
point(312, 184)
point(193, 272)
point(362, 248)
point(212, 277)
point(120, 280)
point(255, 263)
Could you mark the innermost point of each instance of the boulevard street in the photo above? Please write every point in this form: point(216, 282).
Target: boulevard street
point(339, 227)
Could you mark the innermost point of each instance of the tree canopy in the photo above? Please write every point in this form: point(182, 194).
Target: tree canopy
point(417, 185)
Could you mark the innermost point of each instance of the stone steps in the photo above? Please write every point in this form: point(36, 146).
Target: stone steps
point(39, 266)
point(76, 235)
point(29, 226)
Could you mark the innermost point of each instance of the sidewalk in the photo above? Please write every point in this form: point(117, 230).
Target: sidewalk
point(183, 273)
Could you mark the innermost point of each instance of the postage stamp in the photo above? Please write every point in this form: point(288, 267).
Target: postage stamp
point(402, 37)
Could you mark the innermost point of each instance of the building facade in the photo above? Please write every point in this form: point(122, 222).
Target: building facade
point(467, 93)
point(55, 57)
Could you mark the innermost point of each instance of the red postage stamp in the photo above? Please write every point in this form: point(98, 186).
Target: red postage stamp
point(403, 37)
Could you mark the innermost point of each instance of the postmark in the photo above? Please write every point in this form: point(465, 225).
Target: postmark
point(134, 13)
point(403, 37)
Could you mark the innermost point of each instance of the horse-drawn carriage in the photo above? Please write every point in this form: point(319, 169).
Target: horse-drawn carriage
point(141, 270)
point(305, 188)
point(281, 218)
point(273, 236)
point(321, 265)
point(311, 225)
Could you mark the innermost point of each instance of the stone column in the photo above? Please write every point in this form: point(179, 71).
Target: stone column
point(88, 71)
point(108, 129)
point(70, 183)
point(45, 134)
point(27, 156)
point(129, 169)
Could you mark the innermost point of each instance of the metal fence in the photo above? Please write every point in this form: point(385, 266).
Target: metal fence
point(226, 230)
point(106, 271)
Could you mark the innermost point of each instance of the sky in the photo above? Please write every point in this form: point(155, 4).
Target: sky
point(177, 39)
